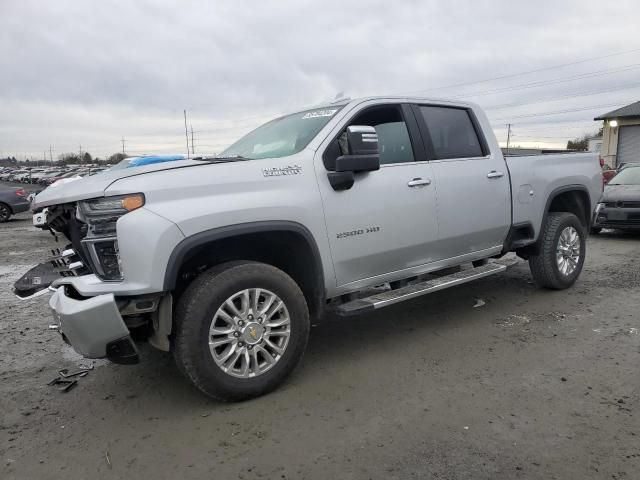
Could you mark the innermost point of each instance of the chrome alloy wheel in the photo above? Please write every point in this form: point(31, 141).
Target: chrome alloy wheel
point(249, 333)
point(568, 251)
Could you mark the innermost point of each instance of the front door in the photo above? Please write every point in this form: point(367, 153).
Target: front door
point(385, 224)
point(473, 185)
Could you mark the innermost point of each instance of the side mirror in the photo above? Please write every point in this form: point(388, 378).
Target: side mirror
point(362, 143)
point(363, 156)
point(362, 140)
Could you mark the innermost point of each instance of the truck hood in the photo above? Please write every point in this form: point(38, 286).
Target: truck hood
point(94, 186)
point(621, 193)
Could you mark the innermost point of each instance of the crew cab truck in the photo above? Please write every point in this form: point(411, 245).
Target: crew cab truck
point(223, 261)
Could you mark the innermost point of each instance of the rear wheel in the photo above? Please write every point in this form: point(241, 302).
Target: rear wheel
point(5, 212)
point(240, 329)
point(562, 251)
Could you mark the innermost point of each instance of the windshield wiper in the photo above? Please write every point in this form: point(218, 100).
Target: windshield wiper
point(231, 158)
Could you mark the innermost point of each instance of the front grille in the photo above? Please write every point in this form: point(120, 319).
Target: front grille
point(630, 221)
point(623, 204)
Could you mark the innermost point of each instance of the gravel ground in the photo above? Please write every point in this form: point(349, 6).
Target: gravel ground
point(534, 384)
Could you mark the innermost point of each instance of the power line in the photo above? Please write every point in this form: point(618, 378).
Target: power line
point(558, 112)
point(563, 97)
point(543, 83)
point(502, 77)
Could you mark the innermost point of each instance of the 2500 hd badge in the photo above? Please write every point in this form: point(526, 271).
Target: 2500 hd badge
point(360, 231)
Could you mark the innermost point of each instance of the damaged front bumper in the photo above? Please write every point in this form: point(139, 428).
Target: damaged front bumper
point(93, 326)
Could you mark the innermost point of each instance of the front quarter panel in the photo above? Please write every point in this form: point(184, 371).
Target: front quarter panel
point(235, 193)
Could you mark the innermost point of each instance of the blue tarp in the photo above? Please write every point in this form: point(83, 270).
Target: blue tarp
point(151, 159)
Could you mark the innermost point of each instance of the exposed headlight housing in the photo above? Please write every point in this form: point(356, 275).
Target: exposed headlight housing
point(599, 207)
point(101, 216)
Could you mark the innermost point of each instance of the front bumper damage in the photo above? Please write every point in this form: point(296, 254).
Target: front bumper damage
point(93, 326)
point(98, 317)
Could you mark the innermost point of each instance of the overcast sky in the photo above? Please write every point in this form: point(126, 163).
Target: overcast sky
point(90, 72)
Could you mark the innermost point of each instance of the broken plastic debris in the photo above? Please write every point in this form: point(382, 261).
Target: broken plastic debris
point(479, 303)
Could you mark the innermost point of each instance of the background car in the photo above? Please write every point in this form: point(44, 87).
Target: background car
point(619, 206)
point(12, 201)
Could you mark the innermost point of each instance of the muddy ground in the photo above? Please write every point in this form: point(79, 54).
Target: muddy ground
point(534, 384)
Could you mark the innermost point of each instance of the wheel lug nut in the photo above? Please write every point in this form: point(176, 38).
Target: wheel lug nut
point(236, 334)
point(241, 323)
point(240, 344)
point(250, 347)
point(250, 317)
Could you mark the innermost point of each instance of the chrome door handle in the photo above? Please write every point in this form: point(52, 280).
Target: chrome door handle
point(418, 182)
point(494, 174)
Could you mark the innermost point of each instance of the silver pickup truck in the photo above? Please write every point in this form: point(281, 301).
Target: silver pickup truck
point(347, 207)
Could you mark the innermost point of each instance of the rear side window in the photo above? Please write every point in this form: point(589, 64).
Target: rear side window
point(451, 132)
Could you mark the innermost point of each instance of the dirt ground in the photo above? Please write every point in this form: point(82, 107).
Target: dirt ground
point(534, 384)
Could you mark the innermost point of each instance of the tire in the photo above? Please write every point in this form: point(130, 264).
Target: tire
point(199, 309)
point(595, 230)
point(5, 212)
point(545, 266)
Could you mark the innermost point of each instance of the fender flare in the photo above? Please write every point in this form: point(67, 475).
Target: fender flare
point(534, 247)
point(564, 189)
point(181, 251)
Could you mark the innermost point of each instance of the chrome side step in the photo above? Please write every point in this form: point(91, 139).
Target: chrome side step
point(379, 300)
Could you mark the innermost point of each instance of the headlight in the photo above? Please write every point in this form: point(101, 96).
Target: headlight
point(101, 216)
point(120, 203)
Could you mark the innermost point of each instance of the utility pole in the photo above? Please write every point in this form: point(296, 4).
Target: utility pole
point(186, 132)
point(50, 155)
point(508, 136)
point(193, 149)
point(81, 154)
point(123, 146)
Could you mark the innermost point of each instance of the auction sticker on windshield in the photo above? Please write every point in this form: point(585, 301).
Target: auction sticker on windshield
point(320, 113)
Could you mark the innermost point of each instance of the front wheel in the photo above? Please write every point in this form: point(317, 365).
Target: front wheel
point(240, 329)
point(562, 251)
point(5, 212)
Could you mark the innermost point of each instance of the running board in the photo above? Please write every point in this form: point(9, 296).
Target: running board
point(379, 300)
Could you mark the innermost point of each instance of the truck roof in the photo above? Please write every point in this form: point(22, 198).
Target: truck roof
point(398, 98)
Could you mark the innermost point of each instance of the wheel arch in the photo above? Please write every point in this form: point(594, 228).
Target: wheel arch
point(287, 245)
point(568, 198)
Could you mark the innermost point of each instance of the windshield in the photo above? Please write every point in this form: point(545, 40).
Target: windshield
point(283, 136)
point(628, 176)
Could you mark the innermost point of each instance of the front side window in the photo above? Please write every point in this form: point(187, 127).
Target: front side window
point(394, 143)
point(283, 136)
point(451, 132)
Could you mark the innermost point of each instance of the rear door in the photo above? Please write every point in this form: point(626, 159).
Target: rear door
point(473, 191)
